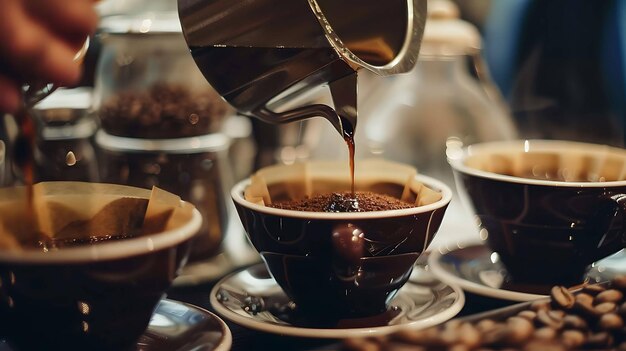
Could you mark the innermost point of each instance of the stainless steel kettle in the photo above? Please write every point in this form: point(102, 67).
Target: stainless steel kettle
point(259, 54)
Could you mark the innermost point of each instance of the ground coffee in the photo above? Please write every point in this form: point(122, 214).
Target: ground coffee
point(364, 201)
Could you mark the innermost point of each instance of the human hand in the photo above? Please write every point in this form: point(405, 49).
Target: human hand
point(38, 42)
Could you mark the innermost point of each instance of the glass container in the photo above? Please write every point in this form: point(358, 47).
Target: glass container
point(66, 126)
point(147, 85)
point(195, 168)
point(161, 121)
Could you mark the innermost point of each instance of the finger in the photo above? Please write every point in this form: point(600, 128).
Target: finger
point(9, 95)
point(36, 55)
point(72, 20)
point(57, 64)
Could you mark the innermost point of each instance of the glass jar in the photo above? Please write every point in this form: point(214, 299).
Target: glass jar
point(448, 99)
point(64, 142)
point(195, 168)
point(147, 84)
point(161, 124)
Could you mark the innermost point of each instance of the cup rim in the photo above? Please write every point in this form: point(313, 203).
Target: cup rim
point(107, 251)
point(446, 192)
point(457, 158)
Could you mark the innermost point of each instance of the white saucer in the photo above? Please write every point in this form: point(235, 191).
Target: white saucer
point(422, 302)
point(178, 326)
point(478, 270)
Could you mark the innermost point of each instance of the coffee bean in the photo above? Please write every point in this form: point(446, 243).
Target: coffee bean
point(520, 329)
point(540, 305)
point(573, 338)
point(544, 345)
point(398, 346)
point(496, 335)
point(485, 324)
point(562, 298)
point(574, 322)
point(611, 321)
point(584, 306)
point(593, 289)
point(453, 324)
point(605, 307)
point(549, 319)
point(361, 344)
point(610, 295)
point(619, 283)
point(381, 339)
point(427, 337)
point(545, 333)
point(557, 314)
point(449, 336)
point(584, 299)
point(528, 314)
point(469, 335)
point(599, 340)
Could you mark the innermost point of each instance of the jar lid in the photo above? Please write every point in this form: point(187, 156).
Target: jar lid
point(213, 142)
point(145, 23)
point(446, 34)
point(63, 98)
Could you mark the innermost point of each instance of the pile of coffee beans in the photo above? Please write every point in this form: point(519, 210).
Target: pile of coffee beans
point(163, 111)
point(590, 319)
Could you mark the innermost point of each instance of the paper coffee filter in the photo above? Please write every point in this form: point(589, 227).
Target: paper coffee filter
point(77, 210)
point(571, 165)
point(304, 180)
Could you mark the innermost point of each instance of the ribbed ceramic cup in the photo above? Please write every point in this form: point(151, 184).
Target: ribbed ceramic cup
point(548, 208)
point(93, 296)
point(338, 265)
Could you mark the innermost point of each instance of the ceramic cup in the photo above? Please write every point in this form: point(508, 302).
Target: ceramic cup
point(93, 296)
point(339, 265)
point(548, 208)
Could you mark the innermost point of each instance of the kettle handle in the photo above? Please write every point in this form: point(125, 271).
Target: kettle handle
point(610, 242)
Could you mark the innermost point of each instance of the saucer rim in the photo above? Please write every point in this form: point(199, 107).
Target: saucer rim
point(226, 341)
point(227, 336)
point(331, 333)
point(441, 273)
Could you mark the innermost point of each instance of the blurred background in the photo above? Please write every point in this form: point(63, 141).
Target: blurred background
point(488, 70)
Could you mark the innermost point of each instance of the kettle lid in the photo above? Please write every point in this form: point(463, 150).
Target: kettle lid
point(446, 34)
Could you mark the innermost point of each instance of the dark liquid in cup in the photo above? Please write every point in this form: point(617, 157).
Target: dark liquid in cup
point(360, 201)
point(46, 244)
